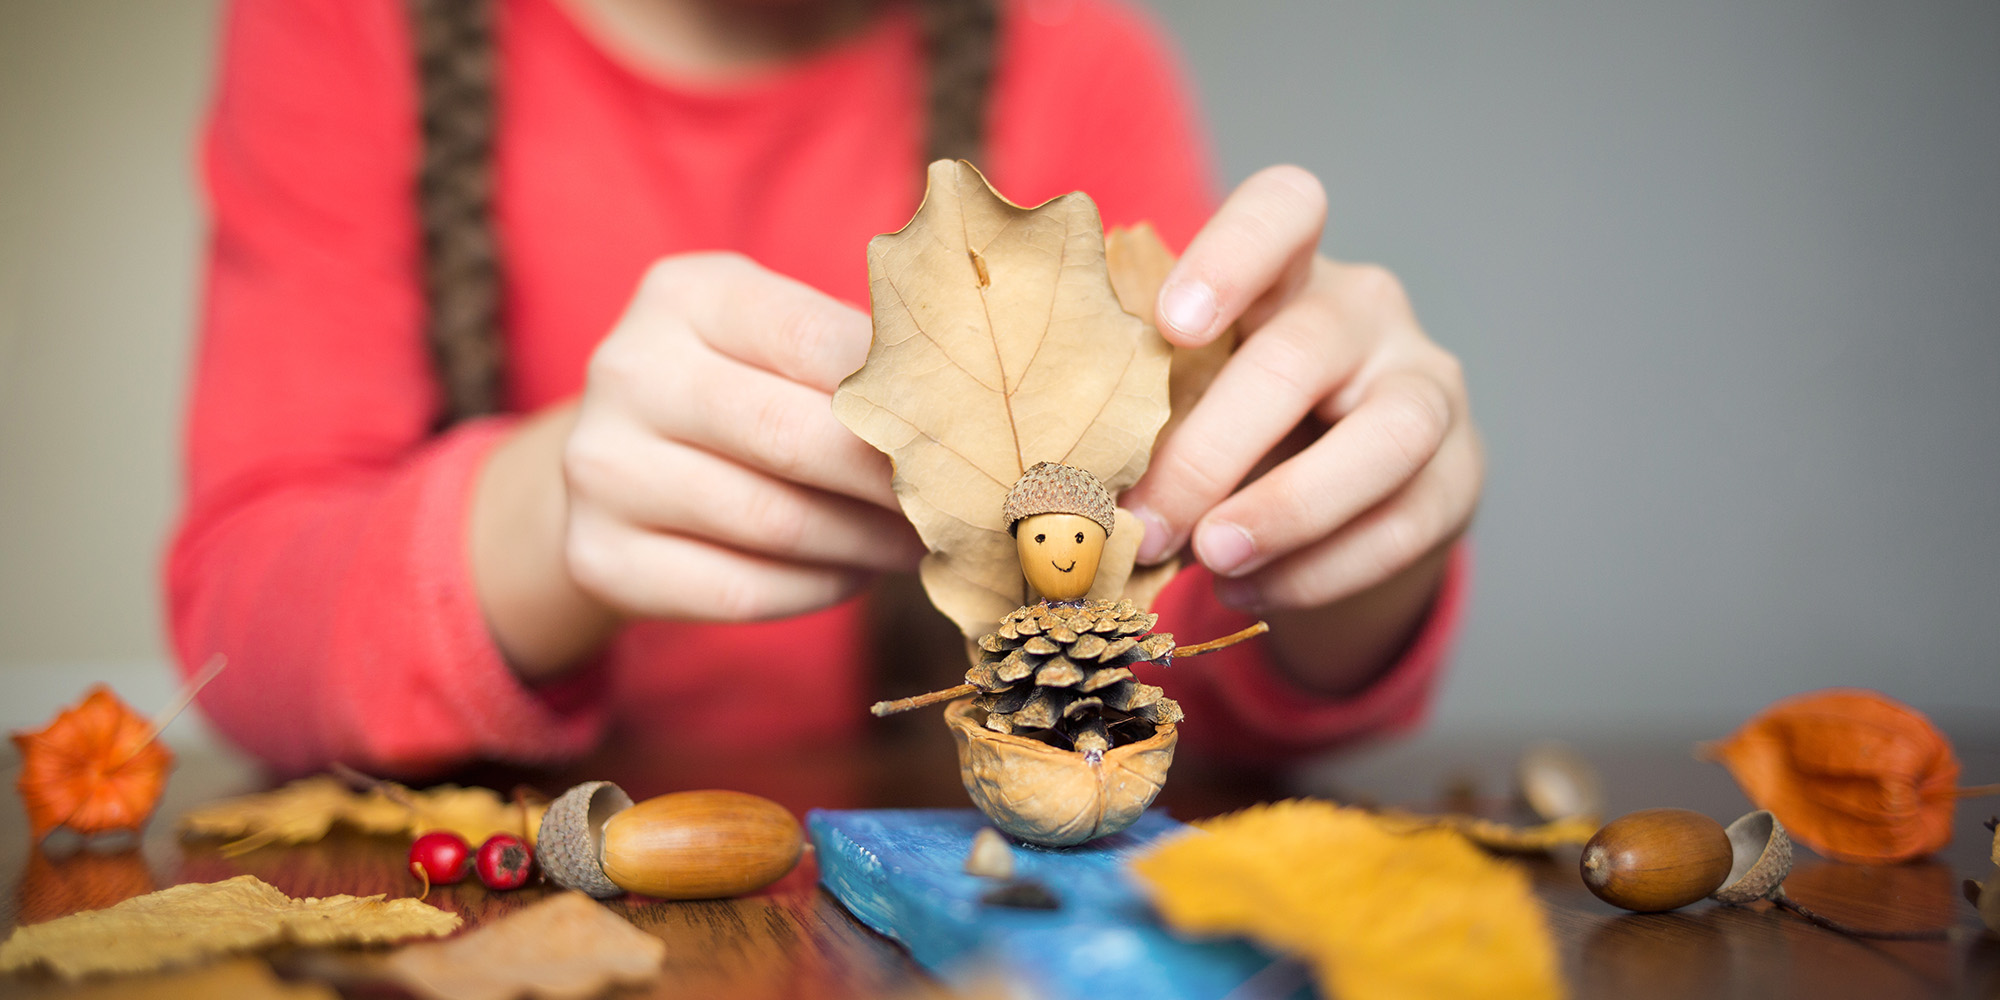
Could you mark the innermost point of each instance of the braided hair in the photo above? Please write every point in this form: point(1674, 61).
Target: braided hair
point(456, 68)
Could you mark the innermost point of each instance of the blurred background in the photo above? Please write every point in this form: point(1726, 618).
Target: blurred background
point(1725, 277)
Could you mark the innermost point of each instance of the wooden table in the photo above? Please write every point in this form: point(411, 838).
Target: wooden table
point(795, 941)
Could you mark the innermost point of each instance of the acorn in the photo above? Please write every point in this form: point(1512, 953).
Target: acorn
point(685, 845)
point(1557, 782)
point(1656, 859)
point(1761, 857)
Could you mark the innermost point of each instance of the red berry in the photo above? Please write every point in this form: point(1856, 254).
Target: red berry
point(504, 862)
point(440, 857)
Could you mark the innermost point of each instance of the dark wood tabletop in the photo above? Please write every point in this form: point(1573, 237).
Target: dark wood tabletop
point(794, 940)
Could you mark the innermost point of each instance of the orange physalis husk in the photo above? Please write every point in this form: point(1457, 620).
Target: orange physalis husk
point(1852, 774)
point(95, 768)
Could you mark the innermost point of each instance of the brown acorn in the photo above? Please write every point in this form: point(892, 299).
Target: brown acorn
point(1656, 859)
point(686, 845)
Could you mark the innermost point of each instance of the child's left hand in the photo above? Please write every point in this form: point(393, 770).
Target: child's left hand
point(1377, 464)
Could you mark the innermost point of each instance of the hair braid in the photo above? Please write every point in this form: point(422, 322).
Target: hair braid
point(454, 48)
point(456, 74)
point(959, 43)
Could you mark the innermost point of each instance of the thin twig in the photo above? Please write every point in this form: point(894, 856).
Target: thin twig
point(1786, 902)
point(882, 708)
point(1228, 640)
point(363, 782)
point(1977, 791)
point(181, 701)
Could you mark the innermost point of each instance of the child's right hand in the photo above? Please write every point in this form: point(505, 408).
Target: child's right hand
point(707, 476)
point(703, 477)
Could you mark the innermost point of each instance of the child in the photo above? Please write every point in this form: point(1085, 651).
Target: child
point(478, 473)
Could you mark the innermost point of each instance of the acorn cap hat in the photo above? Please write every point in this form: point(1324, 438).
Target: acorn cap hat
point(1054, 488)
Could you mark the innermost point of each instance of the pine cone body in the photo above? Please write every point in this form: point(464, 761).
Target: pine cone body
point(1062, 673)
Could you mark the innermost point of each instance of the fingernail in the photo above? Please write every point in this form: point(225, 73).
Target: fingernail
point(1189, 307)
point(1239, 594)
point(1223, 547)
point(1154, 544)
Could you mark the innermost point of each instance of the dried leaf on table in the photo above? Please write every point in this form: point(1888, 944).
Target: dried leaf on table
point(306, 809)
point(1852, 774)
point(1000, 343)
point(94, 768)
point(566, 946)
point(1570, 831)
point(1138, 262)
point(1986, 899)
point(185, 924)
point(1374, 913)
point(237, 979)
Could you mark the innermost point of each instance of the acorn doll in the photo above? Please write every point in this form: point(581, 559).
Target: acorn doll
point(1058, 742)
point(1016, 396)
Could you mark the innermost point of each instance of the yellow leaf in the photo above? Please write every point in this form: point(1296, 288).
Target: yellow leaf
point(565, 946)
point(1000, 343)
point(1375, 914)
point(186, 924)
point(303, 811)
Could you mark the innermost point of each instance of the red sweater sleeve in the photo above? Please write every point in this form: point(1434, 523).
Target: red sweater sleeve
point(322, 545)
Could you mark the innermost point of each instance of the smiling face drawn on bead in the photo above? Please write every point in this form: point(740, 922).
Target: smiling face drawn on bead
point(1059, 553)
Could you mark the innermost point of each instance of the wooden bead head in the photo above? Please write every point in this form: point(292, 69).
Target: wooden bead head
point(1059, 553)
point(1060, 516)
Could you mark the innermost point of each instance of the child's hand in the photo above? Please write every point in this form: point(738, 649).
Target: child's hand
point(707, 477)
point(1387, 466)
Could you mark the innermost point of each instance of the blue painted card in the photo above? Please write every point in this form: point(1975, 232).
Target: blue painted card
point(902, 872)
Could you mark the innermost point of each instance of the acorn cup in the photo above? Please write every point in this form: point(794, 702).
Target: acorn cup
point(1760, 858)
point(686, 845)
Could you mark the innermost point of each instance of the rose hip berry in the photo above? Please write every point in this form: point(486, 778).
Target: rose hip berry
point(440, 857)
point(504, 862)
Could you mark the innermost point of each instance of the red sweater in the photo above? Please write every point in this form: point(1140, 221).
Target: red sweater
point(323, 544)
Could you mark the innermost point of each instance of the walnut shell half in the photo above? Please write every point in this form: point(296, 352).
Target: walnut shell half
point(1054, 797)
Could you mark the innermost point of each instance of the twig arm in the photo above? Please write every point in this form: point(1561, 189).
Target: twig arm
point(882, 708)
point(1228, 640)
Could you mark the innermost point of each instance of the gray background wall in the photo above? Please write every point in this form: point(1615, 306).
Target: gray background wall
point(1726, 278)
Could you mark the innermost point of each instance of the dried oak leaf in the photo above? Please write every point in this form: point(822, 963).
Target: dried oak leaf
point(1570, 831)
point(94, 768)
point(1986, 897)
point(236, 979)
point(1000, 343)
point(305, 810)
point(1374, 913)
point(566, 946)
point(1138, 261)
point(1852, 774)
point(185, 924)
